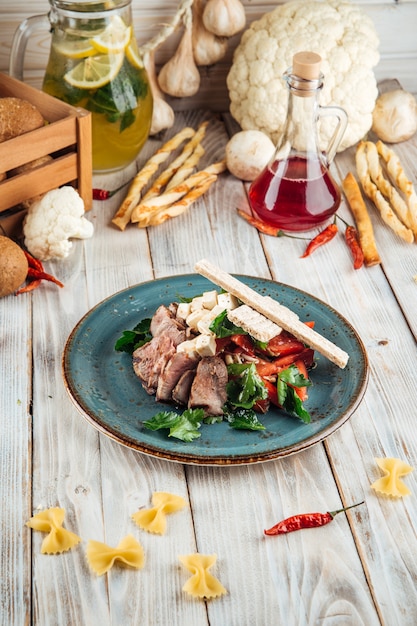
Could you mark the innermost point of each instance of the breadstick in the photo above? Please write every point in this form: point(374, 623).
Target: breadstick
point(187, 168)
point(193, 147)
point(363, 222)
point(274, 311)
point(146, 208)
point(179, 207)
point(384, 185)
point(376, 196)
point(396, 171)
point(123, 215)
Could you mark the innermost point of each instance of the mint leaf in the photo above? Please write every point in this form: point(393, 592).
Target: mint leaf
point(246, 386)
point(132, 339)
point(182, 426)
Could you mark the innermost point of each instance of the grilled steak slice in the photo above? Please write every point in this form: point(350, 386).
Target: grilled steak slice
point(164, 322)
point(179, 363)
point(181, 391)
point(208, 390)
point(150, 360)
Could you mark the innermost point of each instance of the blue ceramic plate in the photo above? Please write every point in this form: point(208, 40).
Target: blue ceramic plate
point(104, 388)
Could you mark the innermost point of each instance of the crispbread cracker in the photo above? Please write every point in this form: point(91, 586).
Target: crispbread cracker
point(274, 311)
point(254, 323)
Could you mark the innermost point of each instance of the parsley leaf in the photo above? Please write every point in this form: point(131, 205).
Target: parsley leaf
point(222, 327)
point(184, 426)
point(243, 419)
point(246, 386)
point(132, 339)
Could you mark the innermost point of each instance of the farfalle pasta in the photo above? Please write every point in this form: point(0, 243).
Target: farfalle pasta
point(202, 584)
point(102, 557)
point(390, 484)
point(58, 539)
point(154, 520)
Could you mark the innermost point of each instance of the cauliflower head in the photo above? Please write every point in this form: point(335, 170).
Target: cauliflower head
point(52, 221)
point(340, 33)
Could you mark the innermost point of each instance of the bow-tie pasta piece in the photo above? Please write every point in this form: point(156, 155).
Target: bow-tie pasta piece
point(202, 584)
point(154, 520)
point(390, 484)
point(102, 557)
point(59, 539)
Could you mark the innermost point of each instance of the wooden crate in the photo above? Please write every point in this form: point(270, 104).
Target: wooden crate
point(66, 137)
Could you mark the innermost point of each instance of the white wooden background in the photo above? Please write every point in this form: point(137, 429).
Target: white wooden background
point(395, 22)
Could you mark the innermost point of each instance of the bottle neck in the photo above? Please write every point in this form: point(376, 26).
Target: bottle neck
point(300, 131)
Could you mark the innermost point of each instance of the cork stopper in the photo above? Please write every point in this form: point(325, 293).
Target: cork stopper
point(306, 65)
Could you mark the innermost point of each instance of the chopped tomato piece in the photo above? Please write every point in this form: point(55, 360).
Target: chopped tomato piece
point(269, 368)
point(302, 392)
point(244, 342)
point(284, 343)
point(310, 324)
point(272, 391)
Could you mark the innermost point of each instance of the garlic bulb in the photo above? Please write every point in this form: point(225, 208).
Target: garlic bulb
point(179, 77)
point(207, 47)
point(247, 153)
point(224, 18)
point(394, 118)
point(163, 115)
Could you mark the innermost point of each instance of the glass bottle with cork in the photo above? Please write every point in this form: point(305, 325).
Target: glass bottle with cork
point(296, 191)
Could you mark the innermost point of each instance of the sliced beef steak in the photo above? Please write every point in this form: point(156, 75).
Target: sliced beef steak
point(165, 323)
point(181, 391)
point(208, 390)
point(150, 360)
point(179, 363)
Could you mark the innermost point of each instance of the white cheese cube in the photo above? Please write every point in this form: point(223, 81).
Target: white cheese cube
point(215, 311)
point(183, 310)
point(227, 301)
point(194, 317)
point(203, 325)
point(189, 347)
point(205, 345)
point(209, 299)
point(197, 303)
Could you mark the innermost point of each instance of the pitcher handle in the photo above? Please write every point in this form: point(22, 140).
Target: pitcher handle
point(20, 40)
point(339, 131)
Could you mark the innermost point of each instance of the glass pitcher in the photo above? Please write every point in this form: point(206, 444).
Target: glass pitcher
point(94, 63)
point(296, 191)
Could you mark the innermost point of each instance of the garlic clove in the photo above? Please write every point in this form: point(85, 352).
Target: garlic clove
point(224, 18)
point(163, 115)
point(207, 47)
point(179, 77)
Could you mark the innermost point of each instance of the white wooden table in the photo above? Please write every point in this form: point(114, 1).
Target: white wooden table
point(360, 569)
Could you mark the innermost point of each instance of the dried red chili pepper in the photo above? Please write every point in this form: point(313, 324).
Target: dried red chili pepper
point(305, 520)
point(37, 274)
point(104, 194)
point(352, 240)
point(322, 238)
point(29, 287)
point(266, 229)
point(32, 262)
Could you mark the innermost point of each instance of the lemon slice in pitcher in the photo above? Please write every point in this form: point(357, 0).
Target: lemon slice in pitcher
point(75, 49)
point(95, 72)
point(133, 56)
point(114, 38)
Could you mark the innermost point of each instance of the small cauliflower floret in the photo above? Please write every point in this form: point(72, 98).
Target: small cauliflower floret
point(345, 38)
point(53, 221)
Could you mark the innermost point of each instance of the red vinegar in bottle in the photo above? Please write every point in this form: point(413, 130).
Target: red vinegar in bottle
point(296, 191)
